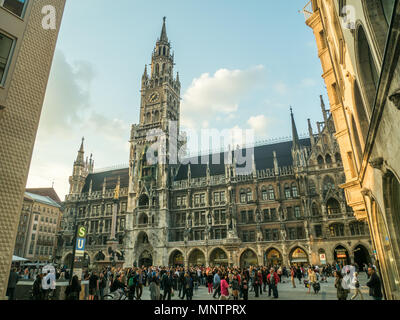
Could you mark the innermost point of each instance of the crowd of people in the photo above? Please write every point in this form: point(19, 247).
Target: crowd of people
point(221, 282)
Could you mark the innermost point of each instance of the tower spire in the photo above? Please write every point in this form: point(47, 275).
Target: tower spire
point(163, 36)
point(81, 152)
point(295, 135)
point(323, 110)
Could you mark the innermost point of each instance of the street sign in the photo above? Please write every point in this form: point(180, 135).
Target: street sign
point(82, 232)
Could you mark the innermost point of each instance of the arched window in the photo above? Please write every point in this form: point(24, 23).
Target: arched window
point(294, 190)
point(264, 193)
point(357, 228)
point(157, 69)
point(338, 158)
point(314, 210)
point(312, 188)
point(143, 219)
point(163, 68)
point(287, 192)
point(333, 206)
point(367, 68)
point(328, 159)
point(328, 184)
point(320, 160)
point(242, 196)
point(156, 116)
point(337, 230)
point(271, 193)
point(164, 51)
point(249, 195)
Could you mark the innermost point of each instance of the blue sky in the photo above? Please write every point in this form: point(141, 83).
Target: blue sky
point(263, 47)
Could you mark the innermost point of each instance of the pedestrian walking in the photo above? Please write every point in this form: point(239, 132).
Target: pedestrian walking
point(73, 290)
point(273, 280)
point(356, 286)
point(374, 284)
point(12, 284)
point(340, 285)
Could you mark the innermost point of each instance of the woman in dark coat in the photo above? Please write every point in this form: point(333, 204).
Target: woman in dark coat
point(37, 293)
point(73, 290)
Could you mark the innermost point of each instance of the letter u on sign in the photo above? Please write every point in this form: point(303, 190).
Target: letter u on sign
point(80, 244)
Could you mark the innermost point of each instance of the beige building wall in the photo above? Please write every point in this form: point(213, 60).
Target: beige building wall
point(361, 72)
point(21, 100)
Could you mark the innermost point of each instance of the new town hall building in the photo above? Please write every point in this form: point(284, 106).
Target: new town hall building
point(288, 208)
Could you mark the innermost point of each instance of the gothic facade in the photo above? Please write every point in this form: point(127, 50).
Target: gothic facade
point(288, 208)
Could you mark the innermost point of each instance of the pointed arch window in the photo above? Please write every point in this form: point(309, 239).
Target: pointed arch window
point(271, 193)
point(287, 192)
point(294, 190)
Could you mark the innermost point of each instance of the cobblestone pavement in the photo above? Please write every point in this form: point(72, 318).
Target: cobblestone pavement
point(286, 292)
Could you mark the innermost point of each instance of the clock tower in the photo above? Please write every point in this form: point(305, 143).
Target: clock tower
point(149, 176)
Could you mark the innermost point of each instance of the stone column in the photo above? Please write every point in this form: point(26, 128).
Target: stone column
point(114, 220)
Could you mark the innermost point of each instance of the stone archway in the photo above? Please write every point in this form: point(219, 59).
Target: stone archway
point(298, 256)
point(248, 258)
point(272, 257)
point(218, 257)
point(361, 256)
point(176, 258)
point(196, 258)
point(145, 259)
point(68, 260)
point(341, 255)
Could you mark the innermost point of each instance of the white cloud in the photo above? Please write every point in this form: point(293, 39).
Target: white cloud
point(308, 82)
point(259, 124)
point(210, 96)
point(67, 116)
point(281, 88)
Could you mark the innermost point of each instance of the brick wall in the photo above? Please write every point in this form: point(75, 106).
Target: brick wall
point(20, 120)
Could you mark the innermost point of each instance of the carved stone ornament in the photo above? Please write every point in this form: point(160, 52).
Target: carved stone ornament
point(377, 163)
point(395, 99)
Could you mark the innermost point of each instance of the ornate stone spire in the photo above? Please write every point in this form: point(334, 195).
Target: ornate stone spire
point(163, 36)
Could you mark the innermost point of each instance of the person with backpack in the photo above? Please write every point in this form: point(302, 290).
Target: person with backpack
point(132, 285)
point(244, 288)
point(217, 285)
point(235, 287)
point(340, 285)
point(46, 282)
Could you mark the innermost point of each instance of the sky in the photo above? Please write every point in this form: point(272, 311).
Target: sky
point(242, 64)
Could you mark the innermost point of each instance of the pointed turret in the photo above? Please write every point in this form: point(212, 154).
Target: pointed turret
point(80, 156)
point(295, 135)
point(324, 113)
point(163, 36)
point(311, 133)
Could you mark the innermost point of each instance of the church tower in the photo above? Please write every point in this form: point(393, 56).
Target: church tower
point(153, 141)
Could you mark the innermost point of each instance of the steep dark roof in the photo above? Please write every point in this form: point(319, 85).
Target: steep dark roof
point(263, 155)
point(112, 179)
point(45, 192)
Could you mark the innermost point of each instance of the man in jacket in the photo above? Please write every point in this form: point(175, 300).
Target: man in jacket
point(273, 280)
point(167, 282)
point(12, 284)
point(374, 285)
point(217, 285)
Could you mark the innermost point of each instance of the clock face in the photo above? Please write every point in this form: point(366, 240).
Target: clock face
point(154, 97)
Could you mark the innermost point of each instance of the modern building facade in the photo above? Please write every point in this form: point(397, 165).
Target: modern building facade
point(358, 44)
point(26, 53)
point(288, 208)
point(38, 228)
